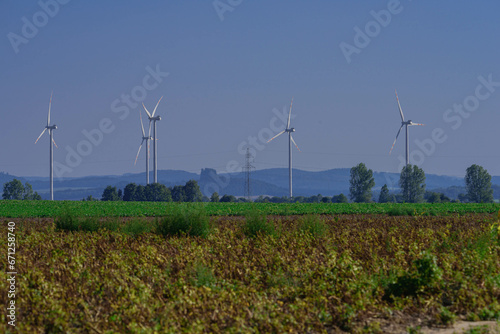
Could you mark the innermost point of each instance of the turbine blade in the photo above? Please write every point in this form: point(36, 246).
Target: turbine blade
point(149, 131)
point(279, 134)
point(41, 134)
point(50, 104)
point(289, 114)
point(293, 141)
point(54, 142)
point(147, 112)
point(417, 124)
point(395, 139)
point(157, 106)
point(142, 125)
point(137, 156)
point(399, 106)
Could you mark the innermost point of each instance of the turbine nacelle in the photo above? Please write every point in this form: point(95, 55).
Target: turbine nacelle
point(403, 124)
point(52, 143)
point(290, 141)
point(154, 119)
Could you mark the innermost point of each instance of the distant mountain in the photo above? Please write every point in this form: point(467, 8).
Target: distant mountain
point(234, 184)
point(271, 182)
point(6, 177)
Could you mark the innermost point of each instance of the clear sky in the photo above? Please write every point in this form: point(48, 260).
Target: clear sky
point(230, 63)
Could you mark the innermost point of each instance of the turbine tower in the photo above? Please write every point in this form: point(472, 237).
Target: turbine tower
point(405, 124)
point(51, 128)
point(153, 119)
point(144, 139)
point(290, 141)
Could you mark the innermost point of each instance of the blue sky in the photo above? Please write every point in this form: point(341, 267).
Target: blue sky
point(226, 76)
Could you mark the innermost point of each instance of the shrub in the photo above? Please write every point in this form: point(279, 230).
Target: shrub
point(313, 225)
point(412, 283)
point(492, 312)
point(398, 210)
point(111, 225)
point(66, 221)
point(446, 317)
point(192, 221)
point(136, 227)
point(203, 276)
point(89, 224)
point(256, 223)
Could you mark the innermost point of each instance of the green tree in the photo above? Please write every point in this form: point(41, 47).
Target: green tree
point(434, 197)
point(361, 184)
point(340, 199)
point(13, 190)
point(28, 193)
point(463, 198)
point(129, 192)
point(178, 194)
point(312, 199)
point(140, 194)
point(228, 198)
point(110, 194)
point(385, 196)
point(326, 199)
point(478, 185)
point(214, 198)
point(412, 183)
point(192, 192)
point(157, 192)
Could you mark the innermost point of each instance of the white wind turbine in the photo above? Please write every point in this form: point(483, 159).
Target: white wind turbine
point(406, 124)
point(290, 141)
point(144, 139)
point(153, 119)
point(51, 128)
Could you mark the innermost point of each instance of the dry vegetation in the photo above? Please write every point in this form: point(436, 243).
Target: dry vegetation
point(355, 273)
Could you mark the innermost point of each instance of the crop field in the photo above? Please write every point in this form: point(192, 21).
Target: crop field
point(190, 272)
point(14, 209)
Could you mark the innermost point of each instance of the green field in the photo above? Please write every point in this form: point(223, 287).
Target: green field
point(21, 209)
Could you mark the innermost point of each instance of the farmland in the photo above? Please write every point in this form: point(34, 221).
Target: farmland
point(16, 209)
point(355, 272)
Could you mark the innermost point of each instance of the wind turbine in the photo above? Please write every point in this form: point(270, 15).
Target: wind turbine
point(290, 141)
point(153, 119)
point(51, 140)
point(406, 124)
point(144, 138)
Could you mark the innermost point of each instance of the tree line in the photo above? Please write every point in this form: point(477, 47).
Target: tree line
point(411, 183)
point(17, 191)
point(154, 192)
